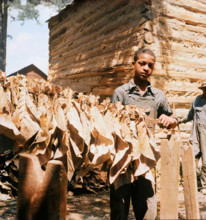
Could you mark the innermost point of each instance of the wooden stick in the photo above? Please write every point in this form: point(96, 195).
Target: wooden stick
point(169, 182)
point(190, 184)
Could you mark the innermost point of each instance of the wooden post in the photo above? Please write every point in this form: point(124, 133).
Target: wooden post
point(41, 195)
point(190, 184)
point(30, 176)
point(169, 182)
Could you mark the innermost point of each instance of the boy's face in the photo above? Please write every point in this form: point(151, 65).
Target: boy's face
point(144, 66)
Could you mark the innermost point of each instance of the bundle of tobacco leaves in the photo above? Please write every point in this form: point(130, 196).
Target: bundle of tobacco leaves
point(39, 118)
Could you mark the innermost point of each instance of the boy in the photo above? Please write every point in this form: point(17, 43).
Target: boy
point(138, 91)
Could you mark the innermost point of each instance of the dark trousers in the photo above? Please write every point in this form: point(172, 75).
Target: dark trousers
point(143, 200)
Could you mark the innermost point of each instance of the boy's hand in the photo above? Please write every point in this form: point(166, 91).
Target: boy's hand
point(168, 121)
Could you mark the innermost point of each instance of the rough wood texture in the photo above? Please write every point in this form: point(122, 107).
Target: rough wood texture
point(90, 39)
point(170, 157)
point(41, 195)
point(92, 44)
point(190, 184)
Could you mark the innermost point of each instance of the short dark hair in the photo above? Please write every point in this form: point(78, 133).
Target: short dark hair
point(143, 50)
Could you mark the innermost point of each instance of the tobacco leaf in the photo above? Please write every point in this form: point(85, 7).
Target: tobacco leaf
point(54, 123)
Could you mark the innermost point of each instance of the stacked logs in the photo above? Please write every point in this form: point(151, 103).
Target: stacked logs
point(52, 123)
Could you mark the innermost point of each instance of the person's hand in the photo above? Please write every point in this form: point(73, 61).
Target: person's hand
point(168, 121)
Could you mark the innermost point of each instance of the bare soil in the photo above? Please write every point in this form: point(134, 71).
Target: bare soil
point(90, 207)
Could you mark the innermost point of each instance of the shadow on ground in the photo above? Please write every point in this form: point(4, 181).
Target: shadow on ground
point(90, 207)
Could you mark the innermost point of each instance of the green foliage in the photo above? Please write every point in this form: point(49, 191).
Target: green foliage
point(27, 12)
point(58, 3)
point(27, 9)
point(9, 36)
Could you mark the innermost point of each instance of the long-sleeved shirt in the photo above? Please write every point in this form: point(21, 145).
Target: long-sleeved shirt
point(197, 112)
point(129, 93)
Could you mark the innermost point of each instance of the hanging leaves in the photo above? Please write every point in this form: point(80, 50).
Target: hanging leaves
point(51, 123)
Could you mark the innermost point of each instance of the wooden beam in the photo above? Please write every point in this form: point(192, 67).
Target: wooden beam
point(190, 183)
point(169, 182)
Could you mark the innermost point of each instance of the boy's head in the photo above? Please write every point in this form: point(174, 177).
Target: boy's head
point(143, 50)
point(144, 60)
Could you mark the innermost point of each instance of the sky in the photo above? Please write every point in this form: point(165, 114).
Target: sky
point(29, 42)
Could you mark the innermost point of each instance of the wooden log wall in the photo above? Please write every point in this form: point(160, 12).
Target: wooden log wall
point(92, 44)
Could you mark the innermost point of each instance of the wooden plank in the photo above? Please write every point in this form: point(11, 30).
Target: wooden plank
point(41, 195)
point(190, 183)
point(54, 189)
point(169, 182)
point(30, 174)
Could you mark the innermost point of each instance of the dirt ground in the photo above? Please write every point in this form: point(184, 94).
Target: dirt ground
point(90, 207)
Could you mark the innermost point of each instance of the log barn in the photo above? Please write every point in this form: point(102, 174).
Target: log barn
point(92, 44)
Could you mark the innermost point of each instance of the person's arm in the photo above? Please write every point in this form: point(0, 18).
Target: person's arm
point(189, 116)
point(165, 113)
point(168, 121)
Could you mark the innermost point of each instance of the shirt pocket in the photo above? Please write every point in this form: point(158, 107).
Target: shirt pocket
point(198, 109)
point(200, 114)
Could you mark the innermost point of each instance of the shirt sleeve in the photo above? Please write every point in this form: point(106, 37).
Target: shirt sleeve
point(164, 107)
point(117, 96)
point(189, 116)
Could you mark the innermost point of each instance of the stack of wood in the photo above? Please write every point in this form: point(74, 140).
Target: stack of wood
point(8, 174)
point(58, 124)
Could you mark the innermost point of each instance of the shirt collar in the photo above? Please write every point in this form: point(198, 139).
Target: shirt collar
point(133, 86)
